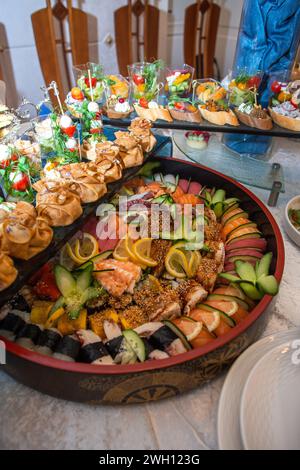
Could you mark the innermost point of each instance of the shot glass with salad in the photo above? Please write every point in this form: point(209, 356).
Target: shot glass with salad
point(179, 80)
point(243, 87)
point(90, 79)
point(144, 80)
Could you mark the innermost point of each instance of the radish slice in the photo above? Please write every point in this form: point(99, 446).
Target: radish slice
point(195, 188)
point(255, 243)
point(246, 252)
point(184, 185)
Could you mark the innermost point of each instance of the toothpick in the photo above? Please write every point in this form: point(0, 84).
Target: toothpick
point(79, 146)
point(90, 80)
point(54, 86)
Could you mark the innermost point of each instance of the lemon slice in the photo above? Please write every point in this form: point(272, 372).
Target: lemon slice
point(65, 260)
point(194, 263)
point(86, 248)
point(176, 263)
point(142, 251)
point(128, 244)
point(193, 258)
point(71, 254)
point(120, 252)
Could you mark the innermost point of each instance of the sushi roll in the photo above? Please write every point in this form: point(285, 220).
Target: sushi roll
point(145, 331)
point(23, 300)
point(117, 345)
point(163, 338)
point(48, 341)
point(93, 350)
point(12, 323)
point(28, 336)
point(120, 351)
point(67, 348)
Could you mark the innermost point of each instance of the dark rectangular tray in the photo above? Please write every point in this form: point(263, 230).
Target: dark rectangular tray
point(26, 269)
point(276, 131)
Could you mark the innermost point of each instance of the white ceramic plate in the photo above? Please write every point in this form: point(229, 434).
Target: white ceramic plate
point(229, 435)
point(292, 232)
point(270, 403)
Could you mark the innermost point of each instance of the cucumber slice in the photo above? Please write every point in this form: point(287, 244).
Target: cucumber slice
point(85, 278)
point(230, 298)
point(268, 284)
point(64, 280)
point(136, 343)
point(218, 209)
point(246, 271)
point(160, 199)
point(230, 277)
point(263, 266)
point(178, 333)
point(208, 197)
point(230, 208)
point(251, 291)
point(231, 200)
point(219, 196)
point(245, 236)
point(244, 215)
point(104, 255)
point(230, 321)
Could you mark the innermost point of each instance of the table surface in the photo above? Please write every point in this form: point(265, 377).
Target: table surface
point(30, 420)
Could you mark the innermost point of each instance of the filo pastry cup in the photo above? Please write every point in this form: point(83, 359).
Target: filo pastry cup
point(89, 185)
point(58, 202)
point(8, 271)
point(131, 152)
point(24, 234)
point(140, 129)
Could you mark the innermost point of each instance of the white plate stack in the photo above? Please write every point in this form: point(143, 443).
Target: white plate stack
point(259, 407)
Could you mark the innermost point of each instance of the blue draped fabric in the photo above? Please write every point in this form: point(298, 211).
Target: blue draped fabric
point(268, 40)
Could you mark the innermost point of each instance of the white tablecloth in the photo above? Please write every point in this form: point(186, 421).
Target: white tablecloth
point(30, 420)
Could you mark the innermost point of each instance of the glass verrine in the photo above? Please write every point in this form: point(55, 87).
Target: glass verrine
point(117, 94)
point(179, 80)
point(117, 85)
point(144, 80)
point(43, 130)
point(29, 147)
point(89, 78)
point(244, 86)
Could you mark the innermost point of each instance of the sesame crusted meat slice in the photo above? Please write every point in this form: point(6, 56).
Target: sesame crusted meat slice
point(191, 293)
point(207, 273)
point(161, 305)
point(212, 231)
point(133, 316)
point(159, 250)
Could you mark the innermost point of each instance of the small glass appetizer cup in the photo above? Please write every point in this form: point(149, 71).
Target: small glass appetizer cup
point(90, 79)
point(179, 80)
point(144, 80)
point(44, 136)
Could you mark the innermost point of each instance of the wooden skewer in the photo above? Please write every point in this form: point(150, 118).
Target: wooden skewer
point(90, 80)
point(79, 147)
point(54, 87)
